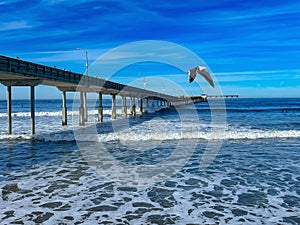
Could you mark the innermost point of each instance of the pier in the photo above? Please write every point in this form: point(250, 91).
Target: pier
point(222, 96)
point(16, 72)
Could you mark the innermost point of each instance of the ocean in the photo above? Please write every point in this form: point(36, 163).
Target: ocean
point(232, 162)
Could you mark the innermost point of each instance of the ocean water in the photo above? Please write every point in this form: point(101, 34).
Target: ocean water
point(236, 162)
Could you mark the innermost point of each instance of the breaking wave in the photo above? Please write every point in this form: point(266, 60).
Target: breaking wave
point(136, 136)
point(56, 113)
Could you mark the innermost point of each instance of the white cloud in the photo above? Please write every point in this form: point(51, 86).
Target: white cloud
point(264, 92)
point(8, 2)
point(14, 25)
point(53, 2)
point(257, 72)
point(257, 75)
point(242, 16)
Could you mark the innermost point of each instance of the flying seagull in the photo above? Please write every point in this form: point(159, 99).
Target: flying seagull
point(200, 70)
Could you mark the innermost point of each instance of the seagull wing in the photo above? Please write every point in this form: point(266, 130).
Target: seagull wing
point(207, 77)
point(192, 74)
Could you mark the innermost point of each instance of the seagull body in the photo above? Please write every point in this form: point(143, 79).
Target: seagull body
point(200, 70)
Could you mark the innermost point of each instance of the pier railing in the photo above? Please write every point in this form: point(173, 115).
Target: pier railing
point(52, 76)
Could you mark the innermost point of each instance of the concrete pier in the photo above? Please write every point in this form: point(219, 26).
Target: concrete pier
point(221, 96)
point(113, 107)
point(100, 109)
point(124, 107)
point(16, 72)
point(32, 109)
point(9, 125)
point(64, 121)
point(81, 110)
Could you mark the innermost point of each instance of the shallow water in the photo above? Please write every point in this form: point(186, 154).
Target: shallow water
point(254, 178)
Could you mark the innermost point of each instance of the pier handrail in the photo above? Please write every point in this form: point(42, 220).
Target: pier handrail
point(46, 74)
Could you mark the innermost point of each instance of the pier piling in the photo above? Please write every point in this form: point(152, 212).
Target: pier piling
point(132, 106)
point(85, 107)
point(100, 109)
point(9, 125)
point(141, 106)
point(32, 108)
point(64, 109)
point(113, 107)
point(81, 110)
point(124, 108)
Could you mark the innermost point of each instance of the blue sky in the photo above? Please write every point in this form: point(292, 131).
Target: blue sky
point(252, 47)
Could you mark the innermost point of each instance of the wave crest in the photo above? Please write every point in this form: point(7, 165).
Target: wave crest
point(134, 136)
